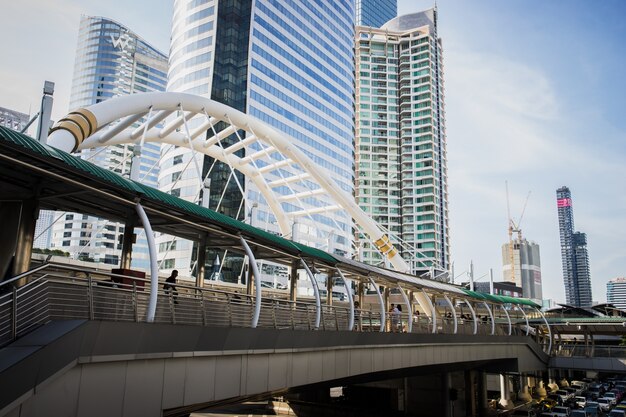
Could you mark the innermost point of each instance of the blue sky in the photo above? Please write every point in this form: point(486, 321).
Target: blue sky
point(535, 94)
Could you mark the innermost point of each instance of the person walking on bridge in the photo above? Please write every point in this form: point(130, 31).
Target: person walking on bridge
point(170, 285)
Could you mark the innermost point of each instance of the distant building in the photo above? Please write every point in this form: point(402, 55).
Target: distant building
point(526, 267)
point(43, 229)
point(400, 145)
point(111, 61)
point(500, 288)
point(616, 292)
point(375, 13)
point(13, 119)
point(574, 255)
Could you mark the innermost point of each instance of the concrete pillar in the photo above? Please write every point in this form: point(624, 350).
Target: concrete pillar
point(541, 390)
point(329, 289)
point(483, 404)
point(25, 237)
point(293, 281)
point(471, 394)
point(505, 392)
point(128, 239)
point(551, 381)
point(524, 394)
point(201, 263)
point(10, 215)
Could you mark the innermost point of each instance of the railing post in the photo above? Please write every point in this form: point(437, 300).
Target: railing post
point(90, 296)
point(135, 307)
point(14, 314)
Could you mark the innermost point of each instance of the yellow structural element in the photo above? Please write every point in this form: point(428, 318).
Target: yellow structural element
point(386, 247)
point(80, 123)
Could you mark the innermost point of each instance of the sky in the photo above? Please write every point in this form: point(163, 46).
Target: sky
point(535, 95)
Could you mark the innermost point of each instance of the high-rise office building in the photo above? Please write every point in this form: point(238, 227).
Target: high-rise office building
point(110, 61)
point(616, 292)
point(287, 63)
point(526, 269)
point(574, 255)
point(401, 161)
point(375, 13)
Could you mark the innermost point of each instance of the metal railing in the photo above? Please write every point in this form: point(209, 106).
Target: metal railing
point(570, 350)
point(61, 292)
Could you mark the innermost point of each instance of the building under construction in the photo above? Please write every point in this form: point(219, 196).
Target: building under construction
point(525, 271)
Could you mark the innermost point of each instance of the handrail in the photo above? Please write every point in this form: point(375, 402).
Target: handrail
point(24, 274)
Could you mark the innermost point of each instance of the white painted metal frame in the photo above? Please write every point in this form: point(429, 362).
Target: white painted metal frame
point(409, 308)
point(154, 266)
point(132, 108)
point(456, 324)
point(507, 317)
point(348, 288)
point(549, 330)
point(475, 319)
point(433, 311)
point(383, 316)
point(493, 321)
point(257, 282)
point(316, 291)
point(520, 308)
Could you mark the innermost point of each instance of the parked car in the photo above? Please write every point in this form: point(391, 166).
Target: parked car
point(564, 395)
point(604, 404)
point(616, 413)
point(611, 396)
point(594, 392)
point(579, 413)
point(592, 408)
point(580, 402)
point(560, 411)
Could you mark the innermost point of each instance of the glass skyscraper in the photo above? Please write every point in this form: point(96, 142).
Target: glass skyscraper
point(375, 13)
point(574, 255)
point(110, 61)
point(401, 161)
point(287, 63)
point(616, 292)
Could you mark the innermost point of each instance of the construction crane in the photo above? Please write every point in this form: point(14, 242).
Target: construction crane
point(514, 227)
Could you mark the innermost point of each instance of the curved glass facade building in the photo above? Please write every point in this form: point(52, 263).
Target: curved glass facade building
point(110, 61)
point(288, 63)
point(401, 162)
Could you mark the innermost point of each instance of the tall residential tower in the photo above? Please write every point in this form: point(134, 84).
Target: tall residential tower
point(616, 292)
point(401, 161)
point(288, 63)
point(574, 255)
point(110, 61)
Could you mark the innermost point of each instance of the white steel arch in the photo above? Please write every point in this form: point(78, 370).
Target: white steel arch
point(110, 122)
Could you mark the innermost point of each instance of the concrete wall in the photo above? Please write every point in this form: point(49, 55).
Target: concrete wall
point(135, 369)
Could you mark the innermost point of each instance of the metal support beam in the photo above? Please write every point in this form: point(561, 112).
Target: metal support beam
point(433, 311)
point(201, 261)
point(127, 245)
point(409, 308)
point(383, 318)
point(456, 324)
point(348, 288)
point(525, 317)
point(493, 321)
point(316, 291)
point(154, 266)
point(329, 290)
point(549, 330)
point(474, 318)
point(257, 282)
point(508, 318)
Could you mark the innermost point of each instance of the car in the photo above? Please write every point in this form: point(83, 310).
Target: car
point(560, 411)
point(563, 395)
point(612, 396)
point(594, 392)
point(579, 413)
point(546, 404)
point(580, 401)
point(592, 408)
point(604, 404)
point(616, 413)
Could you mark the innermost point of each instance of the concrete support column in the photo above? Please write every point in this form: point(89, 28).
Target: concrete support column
point(329, 289)
point(293, 281)
point(524, 393)
point(471, 397)
point(361, 293)
point(201, 261)
point(10, 215)
point(128, 239)
point(25, 237)
point(483, 404)
point(505, 392)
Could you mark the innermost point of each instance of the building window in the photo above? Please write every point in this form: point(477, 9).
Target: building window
point(178, 159)
point(168, 263)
